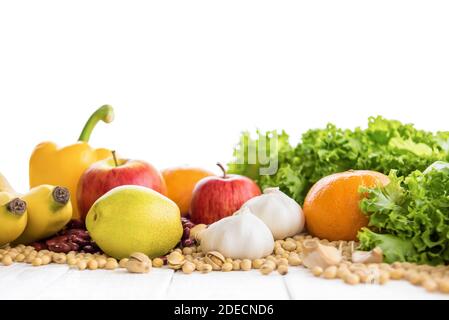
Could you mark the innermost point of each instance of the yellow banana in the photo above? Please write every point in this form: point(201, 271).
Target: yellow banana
point(4, 185)
point(13, 217)
point(49, 210)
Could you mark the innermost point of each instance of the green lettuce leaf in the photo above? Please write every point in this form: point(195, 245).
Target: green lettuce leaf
point(393, 247)
point(382, 146)
point(414, 209)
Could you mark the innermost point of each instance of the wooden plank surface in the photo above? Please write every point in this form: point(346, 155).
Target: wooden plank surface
point(21, 281)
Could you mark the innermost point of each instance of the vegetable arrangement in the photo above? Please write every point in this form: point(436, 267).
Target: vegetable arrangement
point(384, 145)
point(92, 210)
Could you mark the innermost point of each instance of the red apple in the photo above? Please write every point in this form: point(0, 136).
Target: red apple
point(108, 174)
point(215, 198)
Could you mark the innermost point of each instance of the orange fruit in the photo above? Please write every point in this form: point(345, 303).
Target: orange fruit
point(180, 183)
point(331, 207)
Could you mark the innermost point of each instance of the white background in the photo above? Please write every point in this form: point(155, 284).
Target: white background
point(185, 77)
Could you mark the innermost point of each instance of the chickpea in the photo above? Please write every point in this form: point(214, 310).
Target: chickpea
point(266, 268)
point(289, 245)
point(283, 269)
point(123, 263)
point(294, 260)
point(81, 264)
point(236, 265)
point(415, 278)
point(330, 272)
point(343, 271)
point(364, 276)
point(187, 251)
point(72, 261)
point(13, 254)
point(430, 285)
point(46, 259)
point(246, 265)
point(206, 268)
point(111, 264)
point(158, 263)
point(282, 261)
point(271, 263)
point(7, 260)
point(352, 279)
point(444, 285)
point(30, 257)
point(101, 262)
point(317, 271)
point(61, 258)
point(188, 267)
point(92, 264)
point(227, 267)
point(397, 273)
point(271, 258)
point(384, 277)
point(279, 251)
point(20, 258)
point(198, 265)
point(36, 262)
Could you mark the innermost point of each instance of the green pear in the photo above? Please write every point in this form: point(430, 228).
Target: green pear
point(131, 219)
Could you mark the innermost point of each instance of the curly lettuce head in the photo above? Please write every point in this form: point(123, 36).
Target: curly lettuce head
point(412, 210)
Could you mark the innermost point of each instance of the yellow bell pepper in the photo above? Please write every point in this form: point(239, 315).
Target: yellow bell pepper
point(64, 166)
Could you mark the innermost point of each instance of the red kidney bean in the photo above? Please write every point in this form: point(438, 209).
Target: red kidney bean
point(38, 246)
point(188, 243)
point(74, 246)
point(89, 249)
point(80, 241)
point(61, 247)
point(76, 224)
point(56, 240)
point(186, 233)
point(79, 233)
point(164, 258)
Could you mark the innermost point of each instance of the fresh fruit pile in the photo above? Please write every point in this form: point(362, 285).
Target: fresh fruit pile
point(91, 209)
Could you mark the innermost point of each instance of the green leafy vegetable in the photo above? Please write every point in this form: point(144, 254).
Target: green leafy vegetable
point(382, 146)
point(409, 218)
point(394, 248)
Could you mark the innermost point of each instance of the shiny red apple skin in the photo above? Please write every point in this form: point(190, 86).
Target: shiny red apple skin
point(104, 176)
point(215, 198)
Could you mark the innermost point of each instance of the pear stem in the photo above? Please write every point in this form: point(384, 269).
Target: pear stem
point(114, 156)
point(222, 169)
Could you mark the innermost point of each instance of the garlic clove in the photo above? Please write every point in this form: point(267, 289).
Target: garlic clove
point(318, 255)
point(374, 256)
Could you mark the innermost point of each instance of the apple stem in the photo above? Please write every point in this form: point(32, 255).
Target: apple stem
point(222, 169)
point(115, 158)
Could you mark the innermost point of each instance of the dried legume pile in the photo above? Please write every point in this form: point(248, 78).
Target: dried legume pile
point(189, 258)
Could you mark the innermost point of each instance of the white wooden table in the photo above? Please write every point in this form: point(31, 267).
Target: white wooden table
point(21, 281)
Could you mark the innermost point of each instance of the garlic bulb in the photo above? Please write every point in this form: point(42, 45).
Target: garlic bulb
point(280, 213)
point(242, 236)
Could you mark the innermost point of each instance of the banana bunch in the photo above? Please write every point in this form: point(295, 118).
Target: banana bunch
point(36, 215)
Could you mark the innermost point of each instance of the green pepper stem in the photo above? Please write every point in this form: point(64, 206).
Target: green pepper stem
point(104, 113)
